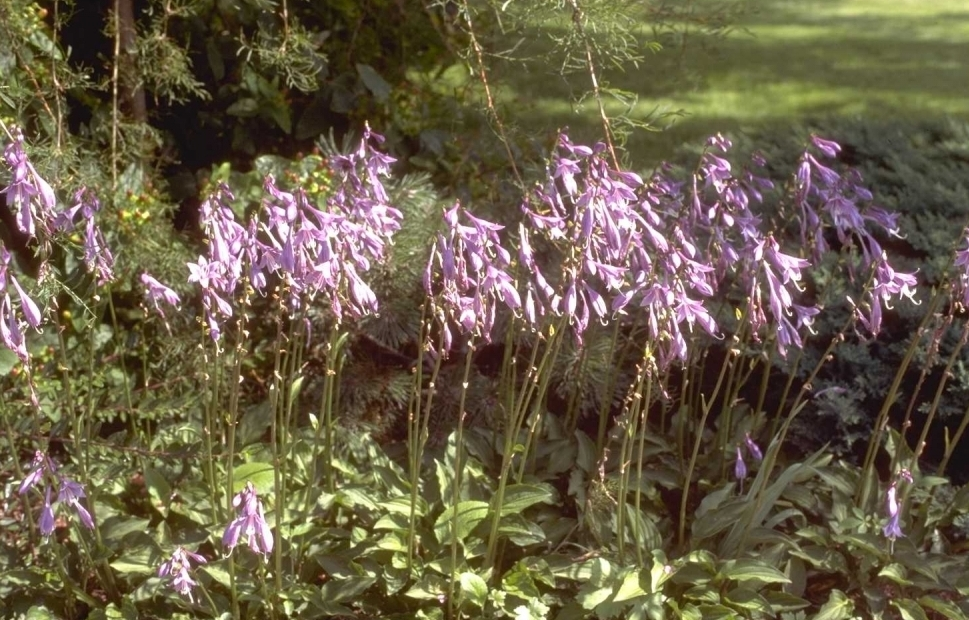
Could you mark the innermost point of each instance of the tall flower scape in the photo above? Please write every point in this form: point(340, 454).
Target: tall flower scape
point(661, 250)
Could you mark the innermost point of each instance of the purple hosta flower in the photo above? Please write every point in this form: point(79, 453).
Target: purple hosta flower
point(28, 194)
point(892, 529)
point(753, 448)
point(219, 273)
point(886, 284)
point(11, 329)
point(46, 520)
point(468, 274)
point(72, 492)
point(740, 468)
point(156, 292)
point(250, 522)
point(39, 468)
point(43, 469)
point(97, 255)
point(178, 568)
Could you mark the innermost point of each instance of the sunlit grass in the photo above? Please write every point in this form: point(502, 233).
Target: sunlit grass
point(787, 61)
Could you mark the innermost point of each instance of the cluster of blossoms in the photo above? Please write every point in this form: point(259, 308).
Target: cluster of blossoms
point(893, 529)
point(740, 466)
point(846, 204)
point(97, 255)
point(668, 247)
point(178, 567)
point(467, 275)
point(250, 522)
point(43, 470)
point(311, 251)
point(28, 193)
point(35, 203)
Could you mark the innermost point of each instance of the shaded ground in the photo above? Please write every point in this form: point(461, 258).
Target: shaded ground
point(785, 61)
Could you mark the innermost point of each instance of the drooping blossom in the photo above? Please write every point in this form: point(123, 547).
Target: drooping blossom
point(250, 523)
point(97, 254)
point(44, 471)
point(156, 292)
point(753, 448)
point(28, 194)
point(467, 275)
point(840, 202)
point(11, 327)
point(893, 529)
point(178, 569)
point(739, 467)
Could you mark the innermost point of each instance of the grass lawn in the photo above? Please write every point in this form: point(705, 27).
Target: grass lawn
point(786, 60)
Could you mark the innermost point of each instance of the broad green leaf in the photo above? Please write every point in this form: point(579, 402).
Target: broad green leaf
point(715, 521)
point(591, 596)
point(40, 612)
point(838, 607)
point(518, 497)
point(431, 587)
point(749, 570)
point(474, 589)
point(717, 612)
point(782, 601)
point(909, 609)
point(116, 528)
point(469, 515)
point(745, 598)
point(895, 572)
point(392, 522)
point(630, 587)
point(137, 561)
point(764, 494)
point(874, 545)
point(946, 608)
point(345, 590)
point(401, 505)
point(218, 573)
point(703, 594)
point(521, 531)
point(375, 83)
point(159, 490)
point(260, 474)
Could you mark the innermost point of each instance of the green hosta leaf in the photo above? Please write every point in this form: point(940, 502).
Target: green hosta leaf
point(746, 598)
point(345, 590)
point(218, 573)
point(521, 531)
point(535, 610)
point(715, 521)
point(375, 83)
point(750, 570)
point(431, 587)
point(897, 573)
point(159, 490)
point(591, 596)
point(716, 612)
point(518, 582)
point(137, 561)
point(838, 607)
point(116, 528)
point(631, 587)
point(909, 609)
point(518, 497)
point(260, 474)
point(782, 601)
point(872, 544)
point(946, 608)
point(401, 506)
point(703, 594)
point(822, 557)
point(474, 589)
point(469, 515)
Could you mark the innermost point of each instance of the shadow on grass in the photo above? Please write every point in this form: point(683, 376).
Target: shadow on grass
point(795, 64)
